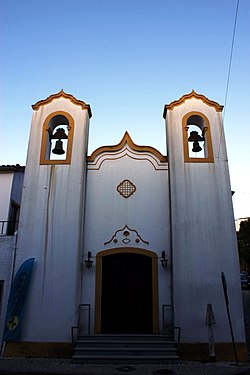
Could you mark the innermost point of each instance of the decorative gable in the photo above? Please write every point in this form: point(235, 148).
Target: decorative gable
point(126, 147)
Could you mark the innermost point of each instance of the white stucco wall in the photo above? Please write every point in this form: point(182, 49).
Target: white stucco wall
point(50, 230)
point(6, 180)
point(146, 211)
point(204, 238)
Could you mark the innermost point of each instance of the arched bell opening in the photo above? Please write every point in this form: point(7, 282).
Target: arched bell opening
point(197, 138)
point(57, 139)
point(126, 292)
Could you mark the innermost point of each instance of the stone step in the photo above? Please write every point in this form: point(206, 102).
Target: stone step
point(130, 337)
point(124, 351)
point(80, 343)
point(129, 347)
point(123, 358)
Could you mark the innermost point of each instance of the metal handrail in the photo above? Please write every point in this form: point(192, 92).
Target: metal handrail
point(174, 328)
point(178, 329)
point(72, 333)
point(163, 315)
point(76, 328)
point(85, 305)
point(8, 227)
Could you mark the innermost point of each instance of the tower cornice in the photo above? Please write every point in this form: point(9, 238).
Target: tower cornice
point(62, 94)
point(192, 94)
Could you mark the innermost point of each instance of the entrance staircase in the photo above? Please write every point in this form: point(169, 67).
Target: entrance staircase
point(109, 348)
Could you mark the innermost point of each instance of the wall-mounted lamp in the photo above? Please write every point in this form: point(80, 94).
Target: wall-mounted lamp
point(89, 262)
point(164, 261)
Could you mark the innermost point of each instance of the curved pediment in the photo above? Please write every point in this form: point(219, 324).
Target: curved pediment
point(126, 142)
point(62, 94)
point(192, 94)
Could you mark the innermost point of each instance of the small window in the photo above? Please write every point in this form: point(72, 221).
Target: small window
point(57, 139)
point(197, 138)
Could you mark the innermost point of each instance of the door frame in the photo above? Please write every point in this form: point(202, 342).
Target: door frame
point(98, 287)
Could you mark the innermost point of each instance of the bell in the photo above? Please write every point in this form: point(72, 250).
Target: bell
point(194, 136)
point(58, 150)
point(60, 134)
point(196, 147)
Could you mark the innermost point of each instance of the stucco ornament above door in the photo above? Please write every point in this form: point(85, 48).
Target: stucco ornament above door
point(126, 235)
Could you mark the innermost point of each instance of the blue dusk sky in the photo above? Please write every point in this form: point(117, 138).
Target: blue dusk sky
point(127, 59)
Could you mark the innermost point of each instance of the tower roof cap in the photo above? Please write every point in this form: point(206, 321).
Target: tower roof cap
point(62, 94)
point(192, 94)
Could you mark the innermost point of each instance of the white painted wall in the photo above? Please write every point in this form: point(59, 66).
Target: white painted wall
point(50, 230)
point(146, 211)
point(203, 232)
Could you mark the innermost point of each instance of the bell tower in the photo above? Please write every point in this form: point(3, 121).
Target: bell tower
point(52, 214)
point(202, 222)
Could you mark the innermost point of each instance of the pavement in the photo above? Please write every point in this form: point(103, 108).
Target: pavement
point(42, 366)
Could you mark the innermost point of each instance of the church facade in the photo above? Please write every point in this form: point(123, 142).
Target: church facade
point(127, 240)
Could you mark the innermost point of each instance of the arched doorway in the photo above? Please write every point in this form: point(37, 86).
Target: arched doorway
point(126, 292)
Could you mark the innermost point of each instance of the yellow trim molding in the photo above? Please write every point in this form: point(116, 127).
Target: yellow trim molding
point(210, 156)
point(45, 135)
point(32, 349)
point(192, 94)
point(98, 296)
point(62, 94)
point(126, 140)
point(224, 351)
